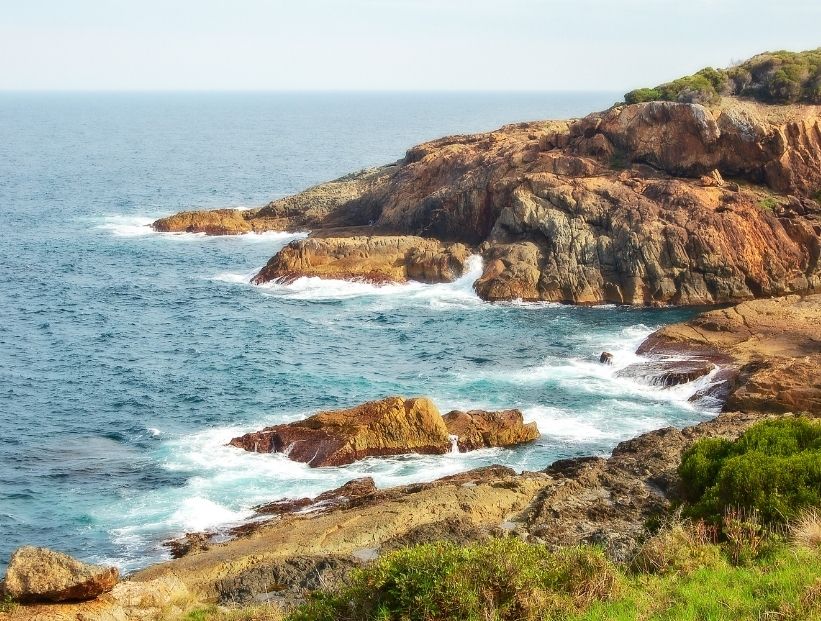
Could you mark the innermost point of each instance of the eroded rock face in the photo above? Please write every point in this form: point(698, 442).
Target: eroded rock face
point(391, 426)
point(479, 429)
point(43, 575)
point(376, 259)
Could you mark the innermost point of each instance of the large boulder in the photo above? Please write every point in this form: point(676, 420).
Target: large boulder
point(376, 259)
point(43, 575)
point(392, 426)
point(479, 429)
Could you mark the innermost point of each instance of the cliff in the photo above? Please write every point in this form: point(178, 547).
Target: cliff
point(650, 203)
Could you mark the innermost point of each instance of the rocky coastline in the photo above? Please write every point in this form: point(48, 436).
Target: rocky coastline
point(654, 203)
point(766, 350)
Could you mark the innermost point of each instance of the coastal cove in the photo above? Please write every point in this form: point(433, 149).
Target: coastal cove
point(130, 357)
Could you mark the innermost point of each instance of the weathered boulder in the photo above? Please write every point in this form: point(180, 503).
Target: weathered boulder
point(376, 259)
point(43, 575)
point(606, 358)
point(477, 429)
point(666, 373)
point(392, 426)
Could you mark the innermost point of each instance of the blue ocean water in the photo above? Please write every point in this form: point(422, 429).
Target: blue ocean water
point(129, 358)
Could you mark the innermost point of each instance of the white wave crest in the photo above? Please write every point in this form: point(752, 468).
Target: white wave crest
point(459, 293)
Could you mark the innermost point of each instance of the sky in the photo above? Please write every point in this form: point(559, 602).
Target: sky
point(499, 45)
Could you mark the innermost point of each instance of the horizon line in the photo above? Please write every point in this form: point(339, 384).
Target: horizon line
point(4, 91)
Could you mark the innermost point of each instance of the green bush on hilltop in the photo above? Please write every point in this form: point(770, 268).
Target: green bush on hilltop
point(774, 469)
point(772, 77)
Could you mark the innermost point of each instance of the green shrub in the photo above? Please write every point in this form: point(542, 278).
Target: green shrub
point(501, 579)
point(774, 469)
point(768, 203)
point(772, 77)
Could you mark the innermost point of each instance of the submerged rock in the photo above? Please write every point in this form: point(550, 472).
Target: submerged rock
point(376, 259)
point(392, 426)
point(479, 429)
point(667, 373)
point(43, 575)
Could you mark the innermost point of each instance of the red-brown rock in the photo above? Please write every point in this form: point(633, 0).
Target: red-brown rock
point(477, 429)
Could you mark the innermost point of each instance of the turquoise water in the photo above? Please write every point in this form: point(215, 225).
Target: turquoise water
point(129, 358)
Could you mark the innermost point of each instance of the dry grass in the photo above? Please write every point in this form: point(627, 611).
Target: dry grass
point(806, 530)
point(680, 545)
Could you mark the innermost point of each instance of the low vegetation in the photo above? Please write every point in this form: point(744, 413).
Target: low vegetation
point(773, 471)
point(773, 77)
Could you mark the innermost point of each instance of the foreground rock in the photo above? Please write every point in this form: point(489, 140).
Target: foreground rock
point(770, 352)
point(392, 426)
point(378, 259)
point(650, 203)
point(43, 575)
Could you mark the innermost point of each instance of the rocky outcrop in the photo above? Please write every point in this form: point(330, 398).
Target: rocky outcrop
point(769, 352)
point(43, 575)
point(479, 429)
point(391, 426)
point(373, 259)
point(650, 203)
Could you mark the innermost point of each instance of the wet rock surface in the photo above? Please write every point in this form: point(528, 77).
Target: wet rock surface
point(667, 373)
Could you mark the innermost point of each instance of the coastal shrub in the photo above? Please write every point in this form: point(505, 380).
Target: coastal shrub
point(773, 469)
point(693, 579)
point(773, 77)
point(500, 579)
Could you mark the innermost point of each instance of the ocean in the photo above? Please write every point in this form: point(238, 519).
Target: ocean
point(129, 358)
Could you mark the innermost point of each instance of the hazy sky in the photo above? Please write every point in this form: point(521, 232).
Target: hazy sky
point(386, 44)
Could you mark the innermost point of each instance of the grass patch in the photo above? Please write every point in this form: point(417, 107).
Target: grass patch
point(772, 77)
point(768, 204)
point(260, 612)
point(7, 604)
point(504, 579)
point(680, 574)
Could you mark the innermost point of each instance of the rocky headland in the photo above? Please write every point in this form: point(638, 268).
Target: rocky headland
point(658, 202)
